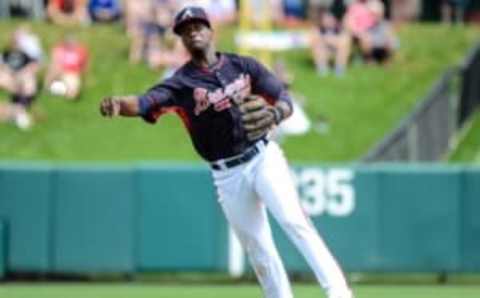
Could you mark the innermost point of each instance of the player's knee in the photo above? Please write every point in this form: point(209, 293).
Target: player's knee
point(261, 267)
point(254, 247)
point(297, 230)
point(256, 255)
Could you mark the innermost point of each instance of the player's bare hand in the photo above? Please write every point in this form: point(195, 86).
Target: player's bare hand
point(110, 107)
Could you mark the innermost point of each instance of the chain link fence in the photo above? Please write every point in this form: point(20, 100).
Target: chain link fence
point(470, 95)
point(426, 134)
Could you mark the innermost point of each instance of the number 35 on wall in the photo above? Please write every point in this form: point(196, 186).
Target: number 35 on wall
point(326, 191)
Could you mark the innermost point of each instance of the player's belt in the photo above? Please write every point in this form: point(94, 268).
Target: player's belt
point(240, 159)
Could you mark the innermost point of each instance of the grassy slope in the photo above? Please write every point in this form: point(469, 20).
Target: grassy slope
point(244, 291)
point(361, 107)
point(370, 101)
point(469, 148)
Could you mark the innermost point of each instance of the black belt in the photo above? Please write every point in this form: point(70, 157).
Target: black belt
point(243, 158)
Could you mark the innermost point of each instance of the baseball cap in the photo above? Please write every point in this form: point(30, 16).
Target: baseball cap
point(189, 14)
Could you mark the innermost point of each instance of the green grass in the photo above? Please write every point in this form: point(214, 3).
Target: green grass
point(468, 150)
point(361, 107)
point(241, 291)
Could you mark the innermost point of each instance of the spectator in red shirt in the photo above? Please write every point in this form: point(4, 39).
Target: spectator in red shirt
point(68, 12)
point(359, 18)
point(69, 62)
point(366, 23)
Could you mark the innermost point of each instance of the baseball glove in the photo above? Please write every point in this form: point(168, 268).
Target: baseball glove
point(258, 116)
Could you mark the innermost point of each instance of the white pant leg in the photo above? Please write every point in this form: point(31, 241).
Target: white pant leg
point(276, 189)
point(248, 218)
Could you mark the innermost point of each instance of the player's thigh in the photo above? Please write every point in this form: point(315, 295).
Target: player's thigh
point(243, 210)
point(275, 187)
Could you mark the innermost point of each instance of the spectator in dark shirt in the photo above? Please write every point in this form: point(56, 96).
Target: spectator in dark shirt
point(380, 41)
point(19, 66)
point(453, 10)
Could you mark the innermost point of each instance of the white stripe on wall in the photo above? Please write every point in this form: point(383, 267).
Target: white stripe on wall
point(236, 256)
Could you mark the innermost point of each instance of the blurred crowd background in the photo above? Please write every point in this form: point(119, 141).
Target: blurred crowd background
point(338, 32)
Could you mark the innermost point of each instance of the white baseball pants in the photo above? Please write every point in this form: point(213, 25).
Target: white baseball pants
point(245, 192)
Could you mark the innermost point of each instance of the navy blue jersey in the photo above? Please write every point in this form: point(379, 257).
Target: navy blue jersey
point(207, 101)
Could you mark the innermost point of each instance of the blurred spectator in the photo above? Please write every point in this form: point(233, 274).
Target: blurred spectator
point(473, 12)
point(329, 41)
point(260, 12)
point(166, 51)
point(171, 56)
point(137, 16)
point(160, 41)
point(405, 10)
point(221, 11)
point(22, 8)
point(68, 12)
point(147, 22)
point(453, 11)
point(318, 6)
point(19, 66)
point(104, 10)
point(294, 12)
point(379, 43)
point(359, 18)
point(365, 21)
point(274, 8)
point(68, 63)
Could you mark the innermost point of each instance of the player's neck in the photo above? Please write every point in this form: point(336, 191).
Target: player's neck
point(205, 59)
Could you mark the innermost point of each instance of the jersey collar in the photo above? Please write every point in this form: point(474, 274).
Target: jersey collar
point(214, 67)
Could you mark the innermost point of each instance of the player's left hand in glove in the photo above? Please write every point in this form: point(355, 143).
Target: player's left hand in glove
point(258, 116)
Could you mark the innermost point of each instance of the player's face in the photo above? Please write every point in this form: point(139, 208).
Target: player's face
point(196, 36)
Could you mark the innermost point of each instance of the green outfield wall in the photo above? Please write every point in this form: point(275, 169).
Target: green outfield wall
point(404, 219)
point(94, 215)
point(3, 244)
point(89, 219)
point(25, 207)
point(180, 225)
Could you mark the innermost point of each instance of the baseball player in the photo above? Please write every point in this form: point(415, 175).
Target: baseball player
point(229, 103)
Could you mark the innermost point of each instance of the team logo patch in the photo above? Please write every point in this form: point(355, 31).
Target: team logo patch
point(222, 98)
point(187, 14)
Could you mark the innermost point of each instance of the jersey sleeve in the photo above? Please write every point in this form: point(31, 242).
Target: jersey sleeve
point(266, 83)
point(158, 100)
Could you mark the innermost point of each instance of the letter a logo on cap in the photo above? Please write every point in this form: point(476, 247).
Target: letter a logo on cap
point(188, 13)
